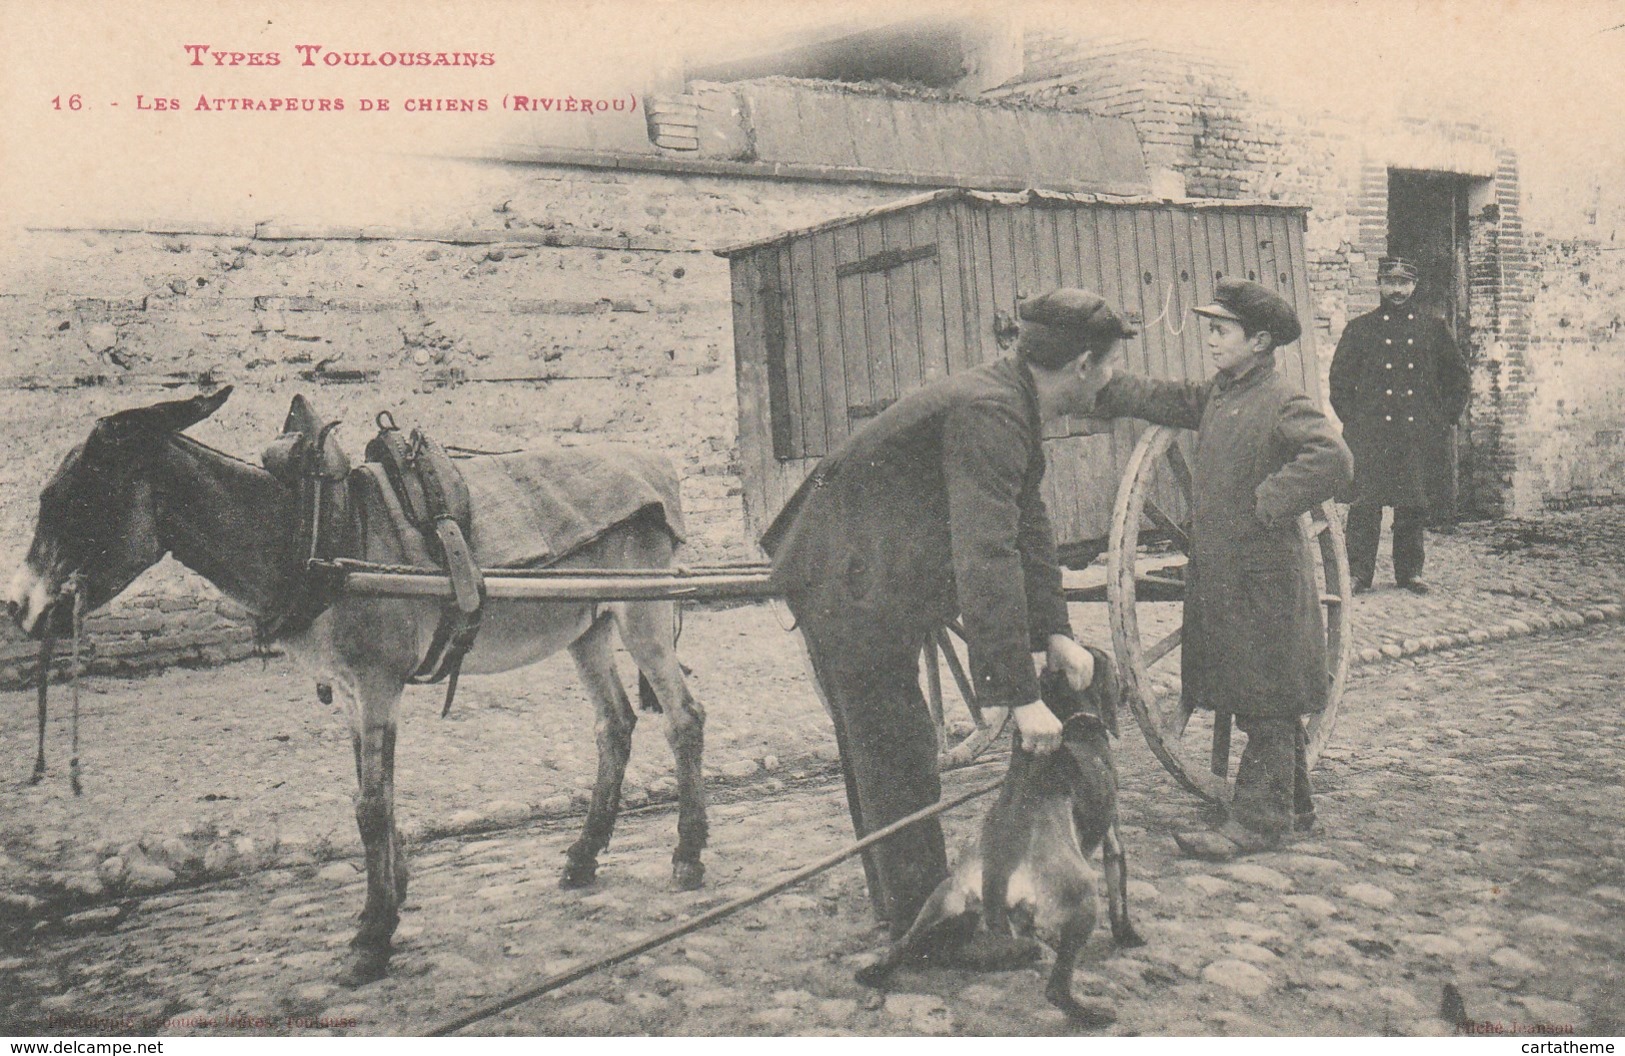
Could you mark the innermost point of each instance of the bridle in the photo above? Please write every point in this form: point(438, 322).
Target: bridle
point(74, 591)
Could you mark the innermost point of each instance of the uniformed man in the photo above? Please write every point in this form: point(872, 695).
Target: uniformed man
point(930, 511)
point(1398, 382)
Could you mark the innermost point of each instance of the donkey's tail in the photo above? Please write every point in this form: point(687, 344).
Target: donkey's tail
point(647, 701)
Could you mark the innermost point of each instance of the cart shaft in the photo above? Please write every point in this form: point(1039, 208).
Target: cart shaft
point(568, 588)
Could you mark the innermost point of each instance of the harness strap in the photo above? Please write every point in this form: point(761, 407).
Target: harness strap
point(444, 658)
point(434, 500)
point(319, 476)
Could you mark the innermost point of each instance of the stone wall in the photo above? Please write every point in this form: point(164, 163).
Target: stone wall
point(1576, 412)
point(541, 304)
point(513, 303)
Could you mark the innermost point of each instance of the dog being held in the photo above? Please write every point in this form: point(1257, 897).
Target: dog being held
point(1029, 870)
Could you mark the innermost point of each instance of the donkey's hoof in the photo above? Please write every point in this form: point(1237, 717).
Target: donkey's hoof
point(367, 964)
point(578, 874)
point(687, 876)
point(1127, 938)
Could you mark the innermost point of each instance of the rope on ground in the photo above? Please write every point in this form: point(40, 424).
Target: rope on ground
point(709, 917)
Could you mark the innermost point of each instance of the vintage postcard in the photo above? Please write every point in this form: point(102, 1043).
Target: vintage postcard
point(664, 517)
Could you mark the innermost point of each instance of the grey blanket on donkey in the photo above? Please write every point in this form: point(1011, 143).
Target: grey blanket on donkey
point(534, 507)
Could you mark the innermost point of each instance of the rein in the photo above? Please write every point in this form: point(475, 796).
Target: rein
point(73, 680)
point(47, 650)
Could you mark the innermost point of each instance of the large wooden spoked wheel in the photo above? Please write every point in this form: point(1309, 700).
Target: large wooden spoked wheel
point(963, 733)
point(1146, 627)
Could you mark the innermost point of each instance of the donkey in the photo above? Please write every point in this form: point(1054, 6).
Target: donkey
point(137, 489)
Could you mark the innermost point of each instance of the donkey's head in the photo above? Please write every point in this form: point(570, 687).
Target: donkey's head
point(98, 515)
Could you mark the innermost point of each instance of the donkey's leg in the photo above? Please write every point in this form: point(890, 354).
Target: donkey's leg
point(374, 700)
point(595, 660)
point(648, 628)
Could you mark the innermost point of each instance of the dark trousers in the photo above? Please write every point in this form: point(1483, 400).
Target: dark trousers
point(1272, 782)
point(888, 745)
point(1364, 527)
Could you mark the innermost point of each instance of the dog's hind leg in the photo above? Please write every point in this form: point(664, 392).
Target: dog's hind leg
point(1123, 933)
point(1073, 934)
point(934, 912)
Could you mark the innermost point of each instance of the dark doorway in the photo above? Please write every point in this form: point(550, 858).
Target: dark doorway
point(1427, 222)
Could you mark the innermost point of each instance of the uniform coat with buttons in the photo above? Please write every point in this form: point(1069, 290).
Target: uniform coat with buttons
point(1254, 643)
point(1398, 382)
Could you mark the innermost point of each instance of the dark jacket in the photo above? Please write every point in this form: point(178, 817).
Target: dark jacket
point(1398, 382)
point(1254, 643)
point(929, 511)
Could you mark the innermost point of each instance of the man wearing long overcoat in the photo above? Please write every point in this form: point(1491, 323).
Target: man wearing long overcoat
point(930, 511)
point(1254, 643)
point(1398, 382)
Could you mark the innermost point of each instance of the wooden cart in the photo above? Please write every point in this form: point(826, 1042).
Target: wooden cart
point(833, 323)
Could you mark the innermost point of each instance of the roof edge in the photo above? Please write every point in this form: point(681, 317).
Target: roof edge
point(1033, 195)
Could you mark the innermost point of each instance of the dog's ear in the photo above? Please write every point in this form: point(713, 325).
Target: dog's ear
point(1107, 688)
point(1057, 694)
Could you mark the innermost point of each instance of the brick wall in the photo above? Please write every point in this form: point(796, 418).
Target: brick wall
point(1198, 124)
point(1186, 108)
point(1501, 287)
point(544, 304)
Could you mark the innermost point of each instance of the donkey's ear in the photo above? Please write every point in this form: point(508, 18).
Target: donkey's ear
point(169, 417)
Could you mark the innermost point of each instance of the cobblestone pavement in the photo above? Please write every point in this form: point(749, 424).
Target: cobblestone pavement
point(237, 780)
point(1471, 838)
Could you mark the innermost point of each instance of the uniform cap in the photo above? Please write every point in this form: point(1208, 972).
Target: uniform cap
point(1254, 307)
point(1403, 267)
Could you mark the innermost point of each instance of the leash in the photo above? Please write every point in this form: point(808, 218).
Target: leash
point(709, 917)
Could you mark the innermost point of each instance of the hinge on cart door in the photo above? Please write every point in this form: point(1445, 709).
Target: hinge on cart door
point(1005, 327)
point(885, 260)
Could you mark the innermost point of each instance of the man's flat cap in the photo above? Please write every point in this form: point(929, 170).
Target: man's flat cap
point(1079, 312)
point(1401, 267)
point(1062, 324)
point(1254, 307)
